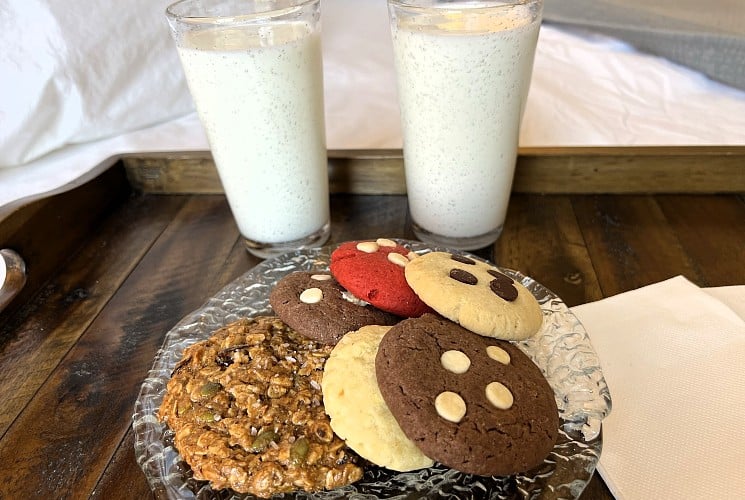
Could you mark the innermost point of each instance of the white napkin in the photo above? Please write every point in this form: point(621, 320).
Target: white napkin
point(673, 355)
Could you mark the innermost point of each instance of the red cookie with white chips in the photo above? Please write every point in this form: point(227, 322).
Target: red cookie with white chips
point(373, 271)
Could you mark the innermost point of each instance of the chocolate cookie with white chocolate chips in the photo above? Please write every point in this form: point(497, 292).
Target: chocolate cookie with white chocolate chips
point(318, 307)
point(476, 295)
point(476, 404)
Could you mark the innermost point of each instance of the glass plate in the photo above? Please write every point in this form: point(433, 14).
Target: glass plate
point(561, 349)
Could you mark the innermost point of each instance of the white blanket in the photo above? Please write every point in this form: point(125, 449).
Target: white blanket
point(99, 78)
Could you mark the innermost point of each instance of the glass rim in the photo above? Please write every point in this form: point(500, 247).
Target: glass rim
point(267, 13)
point(458, 4)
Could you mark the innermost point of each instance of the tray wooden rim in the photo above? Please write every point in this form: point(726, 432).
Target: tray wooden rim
point(550, 170)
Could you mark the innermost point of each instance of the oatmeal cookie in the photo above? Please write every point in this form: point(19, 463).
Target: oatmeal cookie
point(247, 412)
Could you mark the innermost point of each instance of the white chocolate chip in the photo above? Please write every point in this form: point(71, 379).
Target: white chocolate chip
point(450, 406)
point(385, 242)
point(311, 296)
point(455, 361)
point(367, 246)
point(412, 255)
point(499, 396)
point(321, 277)
point(498, 354)
point(354, 300)
point(398, 259)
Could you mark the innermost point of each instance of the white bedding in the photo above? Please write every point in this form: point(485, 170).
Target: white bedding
point(68, 109)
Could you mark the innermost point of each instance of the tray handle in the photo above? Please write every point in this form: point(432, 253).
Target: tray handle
point(12, 276)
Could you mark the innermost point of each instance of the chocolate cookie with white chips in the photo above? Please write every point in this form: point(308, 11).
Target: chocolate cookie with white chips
point(317, 306)
point(476, 404)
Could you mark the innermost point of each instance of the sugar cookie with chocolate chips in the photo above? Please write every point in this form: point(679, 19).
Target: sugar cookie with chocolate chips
point(476, 404)
point(373, 271)
point(316, 305)
point(475, 295)
point(357, 410)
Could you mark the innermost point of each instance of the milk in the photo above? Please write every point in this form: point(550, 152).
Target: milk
point(259, 94)
point(461, 98)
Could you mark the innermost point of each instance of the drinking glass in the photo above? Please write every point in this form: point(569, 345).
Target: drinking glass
point(254, 71)
point(463, 71)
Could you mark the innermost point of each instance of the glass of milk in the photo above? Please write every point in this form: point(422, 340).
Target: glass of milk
point(463, 71)
point(254, 71)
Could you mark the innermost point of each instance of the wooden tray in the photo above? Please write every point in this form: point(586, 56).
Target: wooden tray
point(111, 266)
point(690, 169)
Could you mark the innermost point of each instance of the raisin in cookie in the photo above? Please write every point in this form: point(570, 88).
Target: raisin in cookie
point(314, 304)
point(357, 410)
point(475, 295)
point(373, 271)
point(476, 404)
point(246, 410)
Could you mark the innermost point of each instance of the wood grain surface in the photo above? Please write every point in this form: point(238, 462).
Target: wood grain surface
point(649, 169)
point(111, 270)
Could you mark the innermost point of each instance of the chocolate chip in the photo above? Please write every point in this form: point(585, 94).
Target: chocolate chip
point(503, 288)
point(499, 275)
point(463, 276)
point(462, 260)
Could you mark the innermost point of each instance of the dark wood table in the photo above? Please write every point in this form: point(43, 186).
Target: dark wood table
point(111, 269)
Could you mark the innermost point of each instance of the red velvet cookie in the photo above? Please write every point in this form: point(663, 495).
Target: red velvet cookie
point(373, 271)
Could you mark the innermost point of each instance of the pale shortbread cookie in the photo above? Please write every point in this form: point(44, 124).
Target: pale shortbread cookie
point(356, 408)
point(475, 295)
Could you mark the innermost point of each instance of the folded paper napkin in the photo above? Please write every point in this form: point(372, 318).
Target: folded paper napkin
point(673, 355)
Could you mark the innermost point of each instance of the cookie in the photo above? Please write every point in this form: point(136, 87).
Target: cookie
point(357, 410)
point(475, 404)
point(373, 271)
point(475, 295)
point(314, 304)
point(246, 410)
